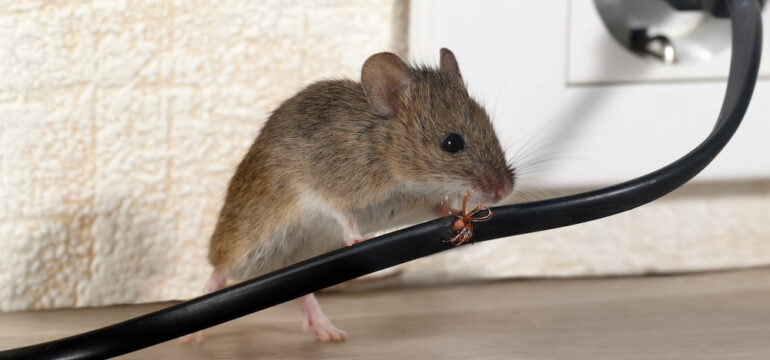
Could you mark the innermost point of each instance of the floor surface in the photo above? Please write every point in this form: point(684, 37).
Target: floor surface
point(723, 315)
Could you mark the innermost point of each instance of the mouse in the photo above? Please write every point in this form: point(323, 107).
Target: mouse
point(343, 158)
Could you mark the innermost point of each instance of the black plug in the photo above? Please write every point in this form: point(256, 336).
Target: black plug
point(717, 8)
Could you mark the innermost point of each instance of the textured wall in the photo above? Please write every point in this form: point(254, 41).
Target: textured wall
point(121, 122)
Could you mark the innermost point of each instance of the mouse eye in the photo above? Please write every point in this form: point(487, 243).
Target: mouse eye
point(452, 143)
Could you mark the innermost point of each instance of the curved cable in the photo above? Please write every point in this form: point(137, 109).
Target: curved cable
point(427, 238)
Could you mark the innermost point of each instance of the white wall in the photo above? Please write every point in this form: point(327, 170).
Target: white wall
point(517, 57)
point(618, 117)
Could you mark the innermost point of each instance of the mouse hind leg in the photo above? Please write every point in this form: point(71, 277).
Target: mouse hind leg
point(320, 238)
point(316, 320)
point(216, 283)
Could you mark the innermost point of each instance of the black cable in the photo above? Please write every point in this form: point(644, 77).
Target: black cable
point(428, 238)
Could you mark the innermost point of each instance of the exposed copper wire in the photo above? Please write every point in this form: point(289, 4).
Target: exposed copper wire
point(464, 223)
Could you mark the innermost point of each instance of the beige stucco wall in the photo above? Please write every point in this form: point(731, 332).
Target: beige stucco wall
point(121, 122)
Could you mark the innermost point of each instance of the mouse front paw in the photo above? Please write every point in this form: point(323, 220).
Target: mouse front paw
point(441, 210)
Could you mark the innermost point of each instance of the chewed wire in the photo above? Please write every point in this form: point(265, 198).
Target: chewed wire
point(464, 223)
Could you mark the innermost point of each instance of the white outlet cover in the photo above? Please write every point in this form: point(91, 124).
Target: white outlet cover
point(588, 37)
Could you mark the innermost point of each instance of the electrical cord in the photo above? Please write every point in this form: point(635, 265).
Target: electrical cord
point(430, 237)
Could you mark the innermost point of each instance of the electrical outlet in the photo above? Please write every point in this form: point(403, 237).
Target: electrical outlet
point(599, 34)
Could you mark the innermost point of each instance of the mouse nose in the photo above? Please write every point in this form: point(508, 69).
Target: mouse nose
point(495, 188)
point(502, 191)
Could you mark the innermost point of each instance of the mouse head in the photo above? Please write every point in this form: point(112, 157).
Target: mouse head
point(439, 140)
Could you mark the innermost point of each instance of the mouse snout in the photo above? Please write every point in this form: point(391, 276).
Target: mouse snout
point(494, 188)
point(502, 191)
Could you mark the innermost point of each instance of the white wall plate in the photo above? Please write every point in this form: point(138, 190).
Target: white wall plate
point(595, 57)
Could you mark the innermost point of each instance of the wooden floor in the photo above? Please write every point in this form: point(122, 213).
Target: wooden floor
point(705, 316)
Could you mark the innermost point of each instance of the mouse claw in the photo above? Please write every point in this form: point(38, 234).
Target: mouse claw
point(324, 330)
point(315, 320)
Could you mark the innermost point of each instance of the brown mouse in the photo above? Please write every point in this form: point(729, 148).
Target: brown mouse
point(343, 158)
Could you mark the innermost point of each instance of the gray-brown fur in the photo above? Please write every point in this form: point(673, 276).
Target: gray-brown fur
point(371, 153)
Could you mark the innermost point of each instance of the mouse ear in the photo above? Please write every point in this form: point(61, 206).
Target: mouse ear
point(384, 76)
point(449, 64)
